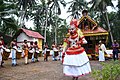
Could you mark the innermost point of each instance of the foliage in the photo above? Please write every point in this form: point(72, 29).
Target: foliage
point(76, 6)
point(54, 5)
point(8, 24)
point(109, 71)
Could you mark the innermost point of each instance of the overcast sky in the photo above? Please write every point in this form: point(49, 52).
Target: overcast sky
point(64, 13)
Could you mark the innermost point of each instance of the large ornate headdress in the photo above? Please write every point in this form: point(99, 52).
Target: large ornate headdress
point(74, 22)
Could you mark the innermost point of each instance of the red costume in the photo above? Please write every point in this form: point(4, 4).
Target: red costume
point(76, 62)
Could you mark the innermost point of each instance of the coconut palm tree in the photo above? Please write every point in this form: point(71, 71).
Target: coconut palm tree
point(54, 6)
point(115, 22)
point(76, 7)
point(8, 24)
point(24, 7)
point(62, 30)
point(40, 17)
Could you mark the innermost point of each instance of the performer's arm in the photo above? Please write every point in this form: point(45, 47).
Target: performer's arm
point(65, 45)
point(84, 41)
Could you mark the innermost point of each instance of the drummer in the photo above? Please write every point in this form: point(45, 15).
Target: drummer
point(54, 48)
point(32, 50)
point(60, 51)
point(45, 52)
point(14, 49)
point(25, 48)
point(36, 48)
point(1, 51)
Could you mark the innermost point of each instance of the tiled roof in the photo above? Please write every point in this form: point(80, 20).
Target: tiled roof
point(97, 30)
point(32, 33)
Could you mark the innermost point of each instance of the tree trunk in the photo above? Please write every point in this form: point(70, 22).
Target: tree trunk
point(55, 35)
point(108, 23)
point(56, 28)
point(46, 24)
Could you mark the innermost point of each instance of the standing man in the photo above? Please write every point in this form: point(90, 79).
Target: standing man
point(55, 51)
point(31, 47)
point(60, 51)
point(115, 46)
point(14, 50)
point(102, 50)
point(45, 52)
point(25, 48)
point(36, 48)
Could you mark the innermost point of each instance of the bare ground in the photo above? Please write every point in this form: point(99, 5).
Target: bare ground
point(51, 70)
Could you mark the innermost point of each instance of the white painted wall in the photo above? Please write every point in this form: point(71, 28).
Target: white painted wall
point(35, 39)
point(23, 37)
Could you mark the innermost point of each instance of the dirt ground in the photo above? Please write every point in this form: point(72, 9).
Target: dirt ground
point(51, 70)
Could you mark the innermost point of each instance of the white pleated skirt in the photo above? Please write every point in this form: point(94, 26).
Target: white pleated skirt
point(76, 65)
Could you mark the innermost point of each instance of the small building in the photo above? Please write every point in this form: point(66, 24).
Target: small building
point(25, 34)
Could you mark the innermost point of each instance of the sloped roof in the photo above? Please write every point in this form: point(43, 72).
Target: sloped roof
point(30, 33)
point(87, 17)
point(97, 31)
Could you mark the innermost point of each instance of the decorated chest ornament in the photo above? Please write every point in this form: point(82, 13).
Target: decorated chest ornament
point(73, 39)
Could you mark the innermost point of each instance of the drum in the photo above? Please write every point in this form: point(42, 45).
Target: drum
point(40, 53)
point(6, 54)
point(56, 53)
point(48, 53)
point(36, 53)
point(19, 53)
point(30, 53)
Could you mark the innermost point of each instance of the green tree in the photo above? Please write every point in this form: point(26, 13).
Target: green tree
point(45, 20)
point(76, 7)
point(101, 6)
point(117, 23)
point(54, 6)
point(8, 24)
point(24, 8)
point(62, 31)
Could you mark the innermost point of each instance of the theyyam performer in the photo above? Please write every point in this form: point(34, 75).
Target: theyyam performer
point(75, 60)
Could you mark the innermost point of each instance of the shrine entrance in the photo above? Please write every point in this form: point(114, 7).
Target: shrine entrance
point(93, 34)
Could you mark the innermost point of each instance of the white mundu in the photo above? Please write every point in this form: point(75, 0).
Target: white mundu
point(102, 49)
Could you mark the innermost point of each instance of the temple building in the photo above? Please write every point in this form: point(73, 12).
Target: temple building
point(92, 32)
